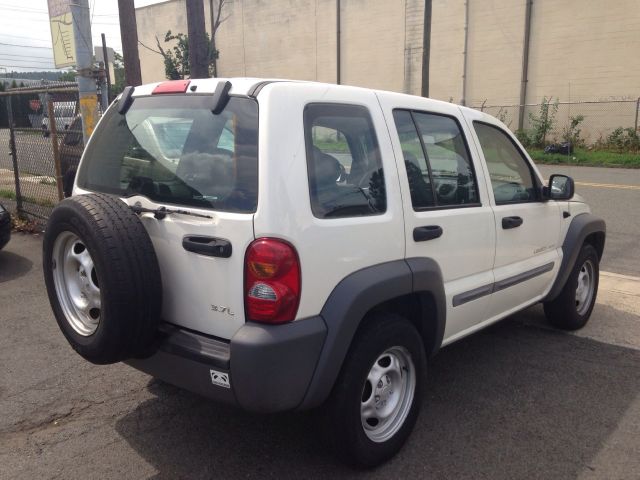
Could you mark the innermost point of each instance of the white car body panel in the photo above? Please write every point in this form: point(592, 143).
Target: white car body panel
point(466, 248)
point(329, 249)
point(473, 252)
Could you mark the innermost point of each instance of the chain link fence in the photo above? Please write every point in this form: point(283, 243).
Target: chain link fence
point(592, 123)
point(40, 141)
point(41, 137)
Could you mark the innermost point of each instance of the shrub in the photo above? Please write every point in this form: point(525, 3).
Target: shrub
point(571, 133)
point(542, 124)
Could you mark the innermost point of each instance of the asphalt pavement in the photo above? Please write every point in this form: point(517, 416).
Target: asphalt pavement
point(613, 194)
point(516, 401)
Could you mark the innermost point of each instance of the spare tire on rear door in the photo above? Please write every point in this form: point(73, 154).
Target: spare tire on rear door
point(102, 277)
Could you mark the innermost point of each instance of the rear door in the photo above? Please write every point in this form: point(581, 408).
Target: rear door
point(527, 228)
point(171, 151)
point(448, 216)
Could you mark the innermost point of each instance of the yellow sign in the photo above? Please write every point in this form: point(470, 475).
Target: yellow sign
point(64, 45)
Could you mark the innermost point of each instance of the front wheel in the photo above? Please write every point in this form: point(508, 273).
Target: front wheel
point(376, 399)
point(572, 308)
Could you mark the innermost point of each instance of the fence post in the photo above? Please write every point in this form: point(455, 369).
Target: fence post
point(54, 144)
point(637, 109)
point(13, 153)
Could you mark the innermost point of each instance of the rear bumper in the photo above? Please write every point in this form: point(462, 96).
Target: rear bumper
point(268, 367)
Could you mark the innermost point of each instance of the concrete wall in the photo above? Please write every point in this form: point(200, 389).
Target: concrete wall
point(447, 50)
point(579, 50)
point(585, 50)
point(381, 40)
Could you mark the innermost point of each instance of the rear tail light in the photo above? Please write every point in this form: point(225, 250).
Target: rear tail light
point(271, 281)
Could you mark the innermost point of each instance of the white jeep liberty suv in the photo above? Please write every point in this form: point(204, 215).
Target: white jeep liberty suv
point(282, 245)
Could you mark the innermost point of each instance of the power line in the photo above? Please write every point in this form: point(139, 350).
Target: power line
point(23, 10)
point(26, 38)
point(23, 56)
point(27, 46)
point(26, 61)
point(31, 68)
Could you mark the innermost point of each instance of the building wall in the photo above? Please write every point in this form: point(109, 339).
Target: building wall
point(585, 50)
point(579, 50)
point(381, 40)
point(447, 50)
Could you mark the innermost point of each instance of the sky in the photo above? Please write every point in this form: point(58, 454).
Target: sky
point(25, 37)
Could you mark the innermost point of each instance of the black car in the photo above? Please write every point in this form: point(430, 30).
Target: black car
point(5, 226)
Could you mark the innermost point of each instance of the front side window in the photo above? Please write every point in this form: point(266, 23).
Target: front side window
point(511, 177)
point(344, 166)
point(173, 149)
point(437, 160)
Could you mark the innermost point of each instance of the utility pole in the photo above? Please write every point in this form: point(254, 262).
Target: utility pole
point(426, 48)
point(84, 66)
point(214, 59)
point(129, 36)
point(106, 68)
point(525, 64)
point(198, 51)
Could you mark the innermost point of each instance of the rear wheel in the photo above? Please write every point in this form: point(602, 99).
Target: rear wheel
point(376, 399)
point(572, 308)
point(102, 278)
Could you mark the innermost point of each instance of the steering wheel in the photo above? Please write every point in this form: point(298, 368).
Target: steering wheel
point(448, 192)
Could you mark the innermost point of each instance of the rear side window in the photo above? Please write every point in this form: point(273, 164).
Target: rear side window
point(346, 178)
point(438, 164)
point(173, 149)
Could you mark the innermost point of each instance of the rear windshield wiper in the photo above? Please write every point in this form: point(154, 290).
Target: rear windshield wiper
point(161, 212)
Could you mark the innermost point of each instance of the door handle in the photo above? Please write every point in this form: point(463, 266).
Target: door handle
point(210, 246)
point(428, 232)
point(511, 222)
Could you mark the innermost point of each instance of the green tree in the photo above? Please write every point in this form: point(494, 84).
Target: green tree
point(68, 76)
point(176, 58)
point(119, 81)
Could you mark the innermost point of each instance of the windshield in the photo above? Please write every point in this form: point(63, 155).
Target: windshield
point(173, 149)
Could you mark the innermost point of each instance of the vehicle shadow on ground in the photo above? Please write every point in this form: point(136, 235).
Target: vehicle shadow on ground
point(513, 401)
point(13, 266)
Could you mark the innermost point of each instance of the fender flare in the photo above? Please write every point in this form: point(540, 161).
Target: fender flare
point(357, 294)
point(581, 227)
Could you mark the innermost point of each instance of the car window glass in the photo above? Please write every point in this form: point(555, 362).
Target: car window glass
point(454, 180)
point(344, 166)
point(170, 149)
point(433, 143)
point(414, 160)
point(226, 140)
point(511, 177)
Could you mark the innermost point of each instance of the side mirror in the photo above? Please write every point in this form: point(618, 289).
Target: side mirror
point(561, 187)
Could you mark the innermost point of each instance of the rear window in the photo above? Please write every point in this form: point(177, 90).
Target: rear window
point(173, 149)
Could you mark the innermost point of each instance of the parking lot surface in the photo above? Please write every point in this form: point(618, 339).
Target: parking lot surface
point(518, 400)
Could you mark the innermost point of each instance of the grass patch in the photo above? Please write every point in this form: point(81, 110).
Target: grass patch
point(591, 158)
point(43, 202)
point(10, 194)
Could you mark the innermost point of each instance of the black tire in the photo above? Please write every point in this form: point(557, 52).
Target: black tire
point(344, 430)
point(563, 312)
point(127, 273)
